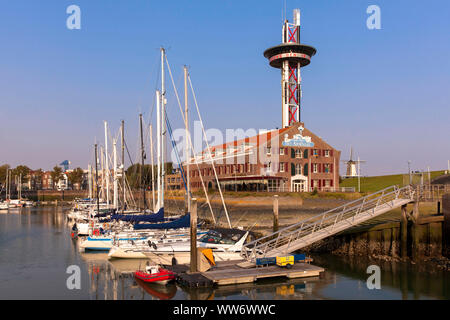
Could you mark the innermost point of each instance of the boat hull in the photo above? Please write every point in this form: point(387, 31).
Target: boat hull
point(162, 277)
point(119, 253)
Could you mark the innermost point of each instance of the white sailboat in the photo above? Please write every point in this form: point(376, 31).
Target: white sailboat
point(165, 251)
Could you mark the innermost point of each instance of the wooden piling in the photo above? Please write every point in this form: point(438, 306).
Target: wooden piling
point(446, 225)
point(193, 264)
point(415, 232)
point(275, 213)
point(404, 233)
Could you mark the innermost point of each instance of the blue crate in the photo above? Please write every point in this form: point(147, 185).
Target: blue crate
point(266, 261)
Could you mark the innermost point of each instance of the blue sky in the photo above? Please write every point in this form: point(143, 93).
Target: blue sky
point(385, 92)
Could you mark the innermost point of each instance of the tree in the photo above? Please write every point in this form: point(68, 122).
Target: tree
point(76, 176)
point(56, 175)
point(21, 170)
point(3, 169)
point(133, 174)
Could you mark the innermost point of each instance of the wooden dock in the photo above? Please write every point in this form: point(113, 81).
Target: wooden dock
point(229, 273)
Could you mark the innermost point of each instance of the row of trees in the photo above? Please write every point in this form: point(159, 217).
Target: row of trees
point(19, 170)
point(75, 176)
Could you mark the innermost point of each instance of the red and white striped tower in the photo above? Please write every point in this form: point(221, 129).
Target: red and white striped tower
point(290, 56)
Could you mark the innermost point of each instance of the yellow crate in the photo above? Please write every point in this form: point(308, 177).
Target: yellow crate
point(284, 261)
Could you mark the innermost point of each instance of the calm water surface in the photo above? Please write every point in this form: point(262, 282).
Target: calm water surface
point(36, 249)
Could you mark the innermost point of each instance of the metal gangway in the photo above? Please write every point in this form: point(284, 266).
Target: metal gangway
point(316, 228)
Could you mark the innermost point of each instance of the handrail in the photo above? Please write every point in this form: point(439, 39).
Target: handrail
point(312, 225)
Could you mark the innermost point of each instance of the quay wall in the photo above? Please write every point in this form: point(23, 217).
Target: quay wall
point(424, 239)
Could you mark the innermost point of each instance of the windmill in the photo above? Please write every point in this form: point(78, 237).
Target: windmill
point(353, 166)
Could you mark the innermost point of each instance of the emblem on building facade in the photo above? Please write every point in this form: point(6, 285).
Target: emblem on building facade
point(298, 140)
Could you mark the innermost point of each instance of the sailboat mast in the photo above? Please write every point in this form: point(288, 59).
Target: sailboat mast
point(163, 130)
point(90, 180)
point(9, 184)
point(123, 163)
point(6, 190)
point(115, 183)
point(153, 169)
point(188, 157)
point(158, 148)
point(96, 179)
point(103, 172)
point(142, 160)
point(106, 163)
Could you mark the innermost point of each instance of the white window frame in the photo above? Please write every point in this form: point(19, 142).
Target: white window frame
point(315, 168)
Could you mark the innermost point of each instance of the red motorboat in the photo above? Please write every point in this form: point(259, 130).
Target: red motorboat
point(155, 274)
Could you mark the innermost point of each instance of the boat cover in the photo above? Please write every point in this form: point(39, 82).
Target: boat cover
point(156, 217)
point(183, 222)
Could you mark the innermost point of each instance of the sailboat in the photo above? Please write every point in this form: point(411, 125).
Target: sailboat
point(145, 225)
point(226, 246)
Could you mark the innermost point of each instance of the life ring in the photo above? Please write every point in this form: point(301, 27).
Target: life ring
point(105, 226)
point(96, 232)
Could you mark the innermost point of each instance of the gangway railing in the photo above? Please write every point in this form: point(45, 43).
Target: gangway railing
point(318, 227)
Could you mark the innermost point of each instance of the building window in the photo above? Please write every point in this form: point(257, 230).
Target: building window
point(298, 168)
point(315, 184)
point(315, 168)
point(282, 167)
point(326, 167)
point(298, 153)
point(268, 150)
point(327, 153)
point(281, 151)
point(315, 152)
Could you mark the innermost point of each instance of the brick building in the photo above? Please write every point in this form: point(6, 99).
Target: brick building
point(292, 159)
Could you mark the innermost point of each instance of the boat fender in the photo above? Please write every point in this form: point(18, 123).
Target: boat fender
point(154, 246)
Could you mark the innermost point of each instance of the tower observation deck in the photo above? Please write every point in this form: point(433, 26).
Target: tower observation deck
point(290, 56)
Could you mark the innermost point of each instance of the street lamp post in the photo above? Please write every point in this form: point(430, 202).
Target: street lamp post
point(409, 171)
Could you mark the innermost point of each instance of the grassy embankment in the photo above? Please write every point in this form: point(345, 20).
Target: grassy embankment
point(376, 183)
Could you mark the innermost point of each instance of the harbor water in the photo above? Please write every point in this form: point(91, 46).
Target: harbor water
point(36, 251)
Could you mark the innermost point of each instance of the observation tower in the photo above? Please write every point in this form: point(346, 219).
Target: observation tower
point(290, 56)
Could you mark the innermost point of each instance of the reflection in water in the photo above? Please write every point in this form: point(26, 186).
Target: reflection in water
point(274, 289)
point(161, 292)
point(36, 249)
point(399, 280)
